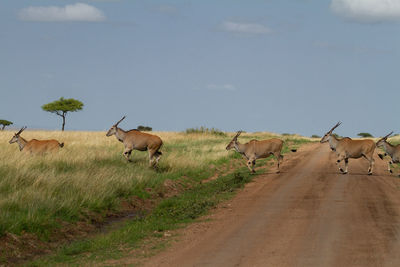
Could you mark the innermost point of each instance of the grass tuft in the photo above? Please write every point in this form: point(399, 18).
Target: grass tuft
point(205, 130)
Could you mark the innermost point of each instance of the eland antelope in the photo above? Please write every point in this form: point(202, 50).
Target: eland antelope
point(135, 139)
point(255, 149)
point(392, 150)
point(34, 145)
point(346, 148)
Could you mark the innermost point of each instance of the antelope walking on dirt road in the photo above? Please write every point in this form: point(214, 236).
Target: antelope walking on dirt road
point(255, 149)
point(34, 145)
point(346, 148)
point(135, 139)
point(392, 150)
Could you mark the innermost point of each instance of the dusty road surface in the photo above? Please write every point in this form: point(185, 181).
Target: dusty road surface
point(308, 215)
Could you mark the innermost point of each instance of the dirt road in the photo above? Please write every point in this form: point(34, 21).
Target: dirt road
point(308, 215)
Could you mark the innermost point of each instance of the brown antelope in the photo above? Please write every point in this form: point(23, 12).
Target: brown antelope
point(346, 148)
point(135, 139)
point(255, 149)
point(392, 150)
point(34, 145)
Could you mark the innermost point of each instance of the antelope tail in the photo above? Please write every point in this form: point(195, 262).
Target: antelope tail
point(61, 144)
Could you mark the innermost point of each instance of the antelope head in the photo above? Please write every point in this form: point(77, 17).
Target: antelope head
point(383, 140)
point(233, 142)
point(16, 135)
point(326, 137)
point(113, 129)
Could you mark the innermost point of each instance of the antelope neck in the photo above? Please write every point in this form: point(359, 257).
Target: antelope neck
point(333, 141)
point(239, 147)
point(389, 149)
point(120, 134)
point(21, 143)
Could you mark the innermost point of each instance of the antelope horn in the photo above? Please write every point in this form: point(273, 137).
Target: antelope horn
point(334, 127)
point(20, 131)
point(119, 121)
point(237, 134)
point(386, 136)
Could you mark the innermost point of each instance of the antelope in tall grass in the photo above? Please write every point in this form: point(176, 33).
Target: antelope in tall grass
point(392, 150)
point(135, 139)
point(34, 145)
point(346, 148)
point(255, 149)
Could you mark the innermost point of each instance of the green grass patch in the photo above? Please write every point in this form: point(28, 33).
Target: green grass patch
point(170, 214)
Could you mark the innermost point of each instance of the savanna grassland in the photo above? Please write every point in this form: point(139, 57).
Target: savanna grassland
point(88, 180)
point(394, 140)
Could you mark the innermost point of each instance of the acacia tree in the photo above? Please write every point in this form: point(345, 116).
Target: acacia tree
point(4, 123)
point(364, 135)
point(144, 128)
point(62, 106)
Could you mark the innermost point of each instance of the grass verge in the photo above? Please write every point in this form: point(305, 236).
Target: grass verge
point(170, 214)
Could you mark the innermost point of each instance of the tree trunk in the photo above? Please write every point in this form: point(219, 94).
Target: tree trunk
point(63, 123)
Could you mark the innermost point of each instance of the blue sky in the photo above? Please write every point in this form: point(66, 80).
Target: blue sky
point(276, 65)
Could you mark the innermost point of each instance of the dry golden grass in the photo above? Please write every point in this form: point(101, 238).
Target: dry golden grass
point(90, 174)
point(394, 139)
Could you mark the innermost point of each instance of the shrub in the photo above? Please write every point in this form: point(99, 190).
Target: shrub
point(204, 130)
point(144, 128)
point(315, 136)
point(364, 135)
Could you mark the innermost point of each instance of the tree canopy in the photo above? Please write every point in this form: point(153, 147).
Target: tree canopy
point(5, 123)
point(144, 128)
point(365, 135)
point(62, 106)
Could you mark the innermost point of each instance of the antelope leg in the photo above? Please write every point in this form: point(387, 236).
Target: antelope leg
point(127, 153)
point(250, 165)
point(340, 158)
point(371, 166)
point(346, 165)
point(278, 157)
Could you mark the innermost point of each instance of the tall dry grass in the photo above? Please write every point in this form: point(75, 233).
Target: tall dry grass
point(90, 174)
point(394, 139)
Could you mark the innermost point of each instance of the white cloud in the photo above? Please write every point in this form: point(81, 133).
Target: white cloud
point(367, 11)
point(251, 28)
point(223, 87)
point(75, 12)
